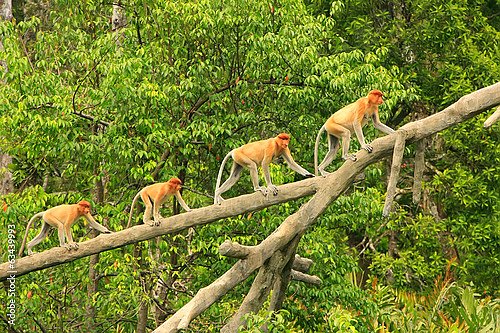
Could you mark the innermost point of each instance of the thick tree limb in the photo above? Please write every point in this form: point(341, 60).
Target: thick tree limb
point(397, 158)
point(262, 285)
point(418, 173)
point(282, 280)
point(302, 264)
point(235, 250)
point(311, 279)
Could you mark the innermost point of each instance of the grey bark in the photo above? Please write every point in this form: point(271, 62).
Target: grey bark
point(418, 173)
point(397, 158)
point(118, 19)
point(311, 279)
point(5, 175)
point(6, 10)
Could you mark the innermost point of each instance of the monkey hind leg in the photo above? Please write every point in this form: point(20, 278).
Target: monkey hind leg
point(148, 211)
point(235, 174)
point(39, 238)
point(333, 147)
point(254, 175)
point(156, 213)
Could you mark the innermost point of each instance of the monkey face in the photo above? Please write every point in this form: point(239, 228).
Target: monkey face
point(84, 207)
point(283, 140)
point(375, 97)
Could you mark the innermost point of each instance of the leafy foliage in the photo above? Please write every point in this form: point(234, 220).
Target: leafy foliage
point(91, 113)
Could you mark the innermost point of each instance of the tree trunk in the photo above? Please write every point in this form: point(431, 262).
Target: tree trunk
point(142, 314)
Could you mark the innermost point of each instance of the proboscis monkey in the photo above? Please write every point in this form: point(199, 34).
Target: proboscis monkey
point(342, 123)
point(251, 156)
point(61, 217)
point(158, 193)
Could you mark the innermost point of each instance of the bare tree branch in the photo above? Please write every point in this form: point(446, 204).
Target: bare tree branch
point(311, 279)
point(493, 118)
point(418, 172)
point(397, 158)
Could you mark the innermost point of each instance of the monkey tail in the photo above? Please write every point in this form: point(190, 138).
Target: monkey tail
point(316, 146)
point(21, 250)
point(132, 208)
point(219, 176)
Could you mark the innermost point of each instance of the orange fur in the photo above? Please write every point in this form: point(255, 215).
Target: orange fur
point(61, 217)
point(342, 123)
point(158, 194)
point(251, 156)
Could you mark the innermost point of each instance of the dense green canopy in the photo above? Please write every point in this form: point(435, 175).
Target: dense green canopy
point(90, 112)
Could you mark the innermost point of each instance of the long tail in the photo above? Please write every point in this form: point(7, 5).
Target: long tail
point(219, 176)
point(316, 146)
point(27, 230)
point(132, 208)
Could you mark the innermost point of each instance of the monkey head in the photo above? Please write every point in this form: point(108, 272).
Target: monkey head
point(176, 183)
point(84, 207)
point(375, 97)
point(283, 140)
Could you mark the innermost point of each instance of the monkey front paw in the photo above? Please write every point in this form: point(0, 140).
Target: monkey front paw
point(273, 189)
point(367, 147)
point(155, 223)
point(71, 246)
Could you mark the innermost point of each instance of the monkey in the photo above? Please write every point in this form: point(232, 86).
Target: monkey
point(61, 217)
point(251, 156)
point(158, 193)
point(346, 120)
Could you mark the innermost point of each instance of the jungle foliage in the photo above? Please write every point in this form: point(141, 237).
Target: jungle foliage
point(91, 113)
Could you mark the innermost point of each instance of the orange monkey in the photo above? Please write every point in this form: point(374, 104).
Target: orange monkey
point(158, 193)
point(61, 217)
point(346, 120)
point(251, 156)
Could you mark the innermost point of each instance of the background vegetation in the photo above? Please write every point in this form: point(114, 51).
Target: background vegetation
point(87, 112)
